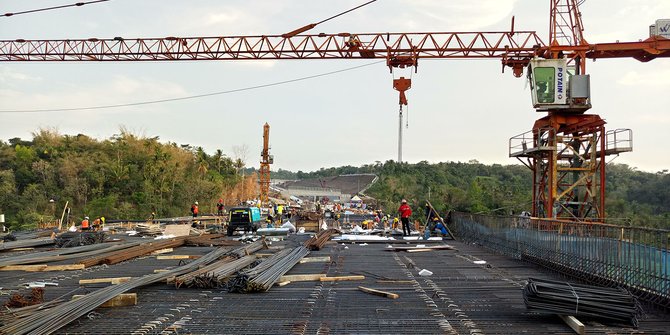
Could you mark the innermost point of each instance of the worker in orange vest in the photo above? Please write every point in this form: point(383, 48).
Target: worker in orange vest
point(84, 224)
point(194, 209)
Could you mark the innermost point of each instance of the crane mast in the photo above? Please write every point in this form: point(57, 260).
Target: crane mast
point(266, 160)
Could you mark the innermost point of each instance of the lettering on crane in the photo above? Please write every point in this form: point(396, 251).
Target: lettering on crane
point(559, 83)
point(664, 29)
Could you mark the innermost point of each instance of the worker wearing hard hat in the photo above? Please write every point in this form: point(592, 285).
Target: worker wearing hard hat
point(194, 209)
point(85, 224)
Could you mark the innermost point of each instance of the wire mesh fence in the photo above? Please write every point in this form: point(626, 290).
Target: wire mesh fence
point(632, 257)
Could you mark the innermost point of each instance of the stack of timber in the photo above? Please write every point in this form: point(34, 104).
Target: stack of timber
point(577, 300)
point(76, 239)
point(317, 242)
point(144, 229)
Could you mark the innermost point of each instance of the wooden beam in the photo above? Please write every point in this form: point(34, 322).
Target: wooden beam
point(342, 278)
point(379, 293)
point(21, 249)
point(573, 323)
point(282, 283)
point(42, 267)
point(177, 257)
point(160, 270)
point(305, 277)
point(113, 281)
point(395, 281)
point(123, 299)
point(162, 251)
point(315, 259)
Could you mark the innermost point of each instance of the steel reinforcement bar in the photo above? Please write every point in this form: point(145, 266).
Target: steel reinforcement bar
point(635, 258)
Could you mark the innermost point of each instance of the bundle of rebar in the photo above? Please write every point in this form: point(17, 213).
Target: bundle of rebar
point(50, 320)
point(76, 239)
point(578, 300)
point(261, 281)
point(207, 240)
point(212, 276)
point(35, 242)
point(65, 254)
point(317, 242)
point(132, 252)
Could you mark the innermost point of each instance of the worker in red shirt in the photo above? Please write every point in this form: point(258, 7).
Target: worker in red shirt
point(405, 213)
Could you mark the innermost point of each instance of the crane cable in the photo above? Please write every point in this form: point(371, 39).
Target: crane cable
point(78, 4)
point(140, 103)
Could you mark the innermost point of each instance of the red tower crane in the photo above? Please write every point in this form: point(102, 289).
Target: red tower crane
point(565, 150)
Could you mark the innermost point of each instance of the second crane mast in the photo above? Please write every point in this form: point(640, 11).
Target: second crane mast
point(266, 160)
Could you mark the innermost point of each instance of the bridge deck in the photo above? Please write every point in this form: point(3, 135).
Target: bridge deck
point(461, 297)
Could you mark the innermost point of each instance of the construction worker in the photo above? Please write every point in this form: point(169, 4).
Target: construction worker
point(102, 222)
point(219, 207)
point(438, 225)
point(395, 223)
point(405, 212)
point(194, 209)
point(85, 224)
point(96, 224)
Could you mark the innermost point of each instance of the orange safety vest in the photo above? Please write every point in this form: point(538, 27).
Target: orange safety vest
point(84, 224)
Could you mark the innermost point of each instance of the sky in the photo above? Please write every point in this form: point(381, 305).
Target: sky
point(459, 110)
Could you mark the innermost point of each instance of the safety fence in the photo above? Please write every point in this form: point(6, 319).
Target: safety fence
point(631, 257)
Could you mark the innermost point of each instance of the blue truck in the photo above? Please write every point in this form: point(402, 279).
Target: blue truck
point(247, 218)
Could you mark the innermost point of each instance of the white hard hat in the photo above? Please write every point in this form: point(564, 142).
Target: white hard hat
point(86, 217)
point(196, 202)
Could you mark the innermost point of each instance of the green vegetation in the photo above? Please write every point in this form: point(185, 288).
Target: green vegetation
point(128, 177)
point(124, 177)
point(633, 197)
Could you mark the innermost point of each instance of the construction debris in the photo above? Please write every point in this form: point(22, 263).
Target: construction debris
point(76, 239)
point(563, 298)
point(18, 300)
point(143, 229)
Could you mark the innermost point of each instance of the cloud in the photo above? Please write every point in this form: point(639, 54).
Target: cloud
point(9, 76)
point(118, 90)
point(650, 78)
point(458, 15)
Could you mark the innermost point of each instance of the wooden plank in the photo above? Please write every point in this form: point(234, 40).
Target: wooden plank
point(123, 299)
point(42, 267)
point(162, 251)
point(342, 278)
point(573, 323)
point(282, 283)
point(116, 280)
point(160, 270)
point(379, 293)
point(315, 259)
point(395, 281)
point(21, 249)
point(177, 257)
point(305, 277)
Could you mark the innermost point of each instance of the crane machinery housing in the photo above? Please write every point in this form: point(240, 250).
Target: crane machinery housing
point(565, 149)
